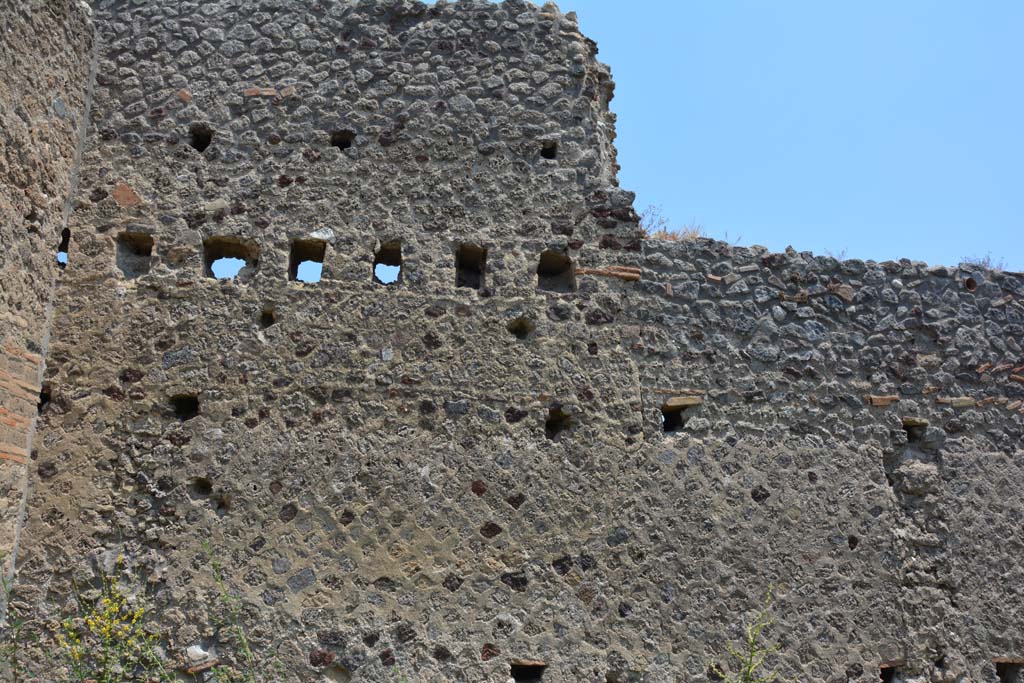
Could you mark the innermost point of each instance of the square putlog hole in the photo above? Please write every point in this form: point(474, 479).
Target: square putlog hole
point(134, 253)
point(342, 139)
point(915, 428)
point(1010, 671)
point(387, 263)
point(185, 406)
point(527, 672)
point(675, 412)
point(470, 266)
point(227, 257)
point(555, 272)
point(306, 261)
point(889, 673)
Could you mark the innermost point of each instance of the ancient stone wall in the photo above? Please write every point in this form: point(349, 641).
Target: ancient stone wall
point(549, 440)
point(44, 58)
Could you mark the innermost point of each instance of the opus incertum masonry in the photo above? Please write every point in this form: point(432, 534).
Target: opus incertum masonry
point(502, 436)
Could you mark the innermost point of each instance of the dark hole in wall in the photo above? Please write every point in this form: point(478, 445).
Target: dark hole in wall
point(1010, 672)
point(200, 136)
point(555, 272)
point(527, 672)
point(44, 398)
point(521, 328)
point(674, 418)
point(267, 318)
point(558, 421)
point(342, 139)
point(199, 487)
point(888, 673)
point(62, 248)
point(304, 257)
point(549, 150)
point(134, 253)
point(970, 284)
point(852, 541)
point(387, 263)
point(915, 429)
point(185, 406)
point(470, 266)
point(225, 257)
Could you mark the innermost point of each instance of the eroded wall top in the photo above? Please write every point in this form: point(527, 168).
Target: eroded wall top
point(364, 122)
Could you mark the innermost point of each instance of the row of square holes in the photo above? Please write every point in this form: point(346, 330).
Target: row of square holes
point(201, 137)
point(186, 407)
point(554, 272)
point(225, 257)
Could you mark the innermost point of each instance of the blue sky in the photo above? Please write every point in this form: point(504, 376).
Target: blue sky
point(875, 129)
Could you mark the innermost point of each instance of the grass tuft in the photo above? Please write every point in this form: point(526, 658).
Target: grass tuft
point(655, 226)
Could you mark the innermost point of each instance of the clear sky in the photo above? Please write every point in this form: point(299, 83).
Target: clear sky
point(882, 129)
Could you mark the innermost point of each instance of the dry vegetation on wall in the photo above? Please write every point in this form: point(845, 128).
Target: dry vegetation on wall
point(988, 262)
point(655, 226)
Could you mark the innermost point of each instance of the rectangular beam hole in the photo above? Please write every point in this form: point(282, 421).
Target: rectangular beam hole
point(470, 266)
point(889, 673)
point(674, 418)
point(306, 261)
point(555, 272)
point(226, 257)
point(915, 428)
point(185, 406)
point(1010, 671)
point(527, 672)
point(387, 263)
point(342, 139)
point(134, 253)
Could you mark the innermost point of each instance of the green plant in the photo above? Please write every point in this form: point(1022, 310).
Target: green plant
point(105, 641)
point(12, 632)
point(750, 657)
point(253, 670)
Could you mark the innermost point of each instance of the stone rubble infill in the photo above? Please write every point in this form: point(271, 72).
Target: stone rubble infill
point(543, 447)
